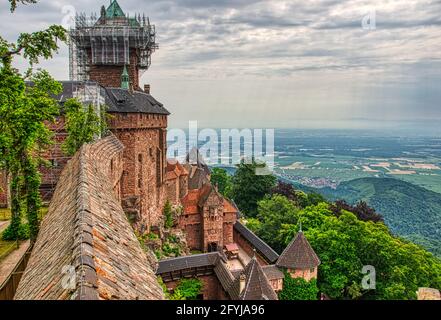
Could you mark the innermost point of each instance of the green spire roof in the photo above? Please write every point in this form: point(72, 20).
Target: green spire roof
point(114, 10)
point(125, 80)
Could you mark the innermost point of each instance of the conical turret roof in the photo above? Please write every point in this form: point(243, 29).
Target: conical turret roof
point(257, 286)
point(298, 254)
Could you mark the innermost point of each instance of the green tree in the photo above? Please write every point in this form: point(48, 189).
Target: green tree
point(345, 244)
point(14, 3)
point(249, 188)
point(254, 224)
point(273, 212)
point(310, 199)
point(187, 289)
point(223, 181)
point(24, 111)
point(83, 125)
point(298, 289)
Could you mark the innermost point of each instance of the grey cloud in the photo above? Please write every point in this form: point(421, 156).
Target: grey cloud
point(293, 40)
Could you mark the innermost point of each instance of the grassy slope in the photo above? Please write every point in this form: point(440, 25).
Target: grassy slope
point(409, 210)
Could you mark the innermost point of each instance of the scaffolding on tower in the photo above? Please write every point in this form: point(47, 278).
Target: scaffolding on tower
point(109, 41)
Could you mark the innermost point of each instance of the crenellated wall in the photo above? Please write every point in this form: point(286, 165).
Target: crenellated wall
point(144, 162)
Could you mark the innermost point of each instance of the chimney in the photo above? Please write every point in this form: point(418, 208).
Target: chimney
point(147, 88)
point(243, 279)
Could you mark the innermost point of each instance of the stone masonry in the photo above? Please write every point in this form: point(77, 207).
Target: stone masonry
point(86, 248)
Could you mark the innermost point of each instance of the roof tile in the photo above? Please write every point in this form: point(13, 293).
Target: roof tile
point(298, 254)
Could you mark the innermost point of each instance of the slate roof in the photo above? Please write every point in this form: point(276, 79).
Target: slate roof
point(227, 280)
point(194, 157)
point(121, 100)
point(261, 246)
point(298, 254)
point(117, 100)
point(86, 237)
point(197, 177)
point(272, 272)
point(186, 262)
point(257, 286)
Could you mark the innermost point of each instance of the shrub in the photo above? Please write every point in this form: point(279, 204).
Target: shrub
point(23, 233)
point(168, 215)
point(298, 289)
point(187, 289)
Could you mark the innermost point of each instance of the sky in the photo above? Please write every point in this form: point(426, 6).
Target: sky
point(271, 64)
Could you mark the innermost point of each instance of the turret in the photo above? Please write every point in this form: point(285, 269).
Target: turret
point(299, 259)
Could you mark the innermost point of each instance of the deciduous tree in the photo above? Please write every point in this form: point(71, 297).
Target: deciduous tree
point(24, 110)
point(249, 187)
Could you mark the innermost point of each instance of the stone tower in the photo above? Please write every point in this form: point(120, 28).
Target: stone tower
point(112, 50)
point(102, 46)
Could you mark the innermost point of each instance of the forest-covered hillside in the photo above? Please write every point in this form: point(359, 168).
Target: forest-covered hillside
point(410, 211)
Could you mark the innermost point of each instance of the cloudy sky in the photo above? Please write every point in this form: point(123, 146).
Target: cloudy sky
point(251, 63)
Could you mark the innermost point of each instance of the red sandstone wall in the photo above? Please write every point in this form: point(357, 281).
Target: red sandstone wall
point(213, 221)
point(183, 186)
point(306, 274)
point(144, 164)
point(115, 174)
point(228, 223)
point(56, 158)
point(217, 229)
point(246, 246)
point(172, 191)
point(192, 225)
point(110, 76)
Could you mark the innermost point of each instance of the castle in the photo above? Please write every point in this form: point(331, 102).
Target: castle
point(107, 54)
